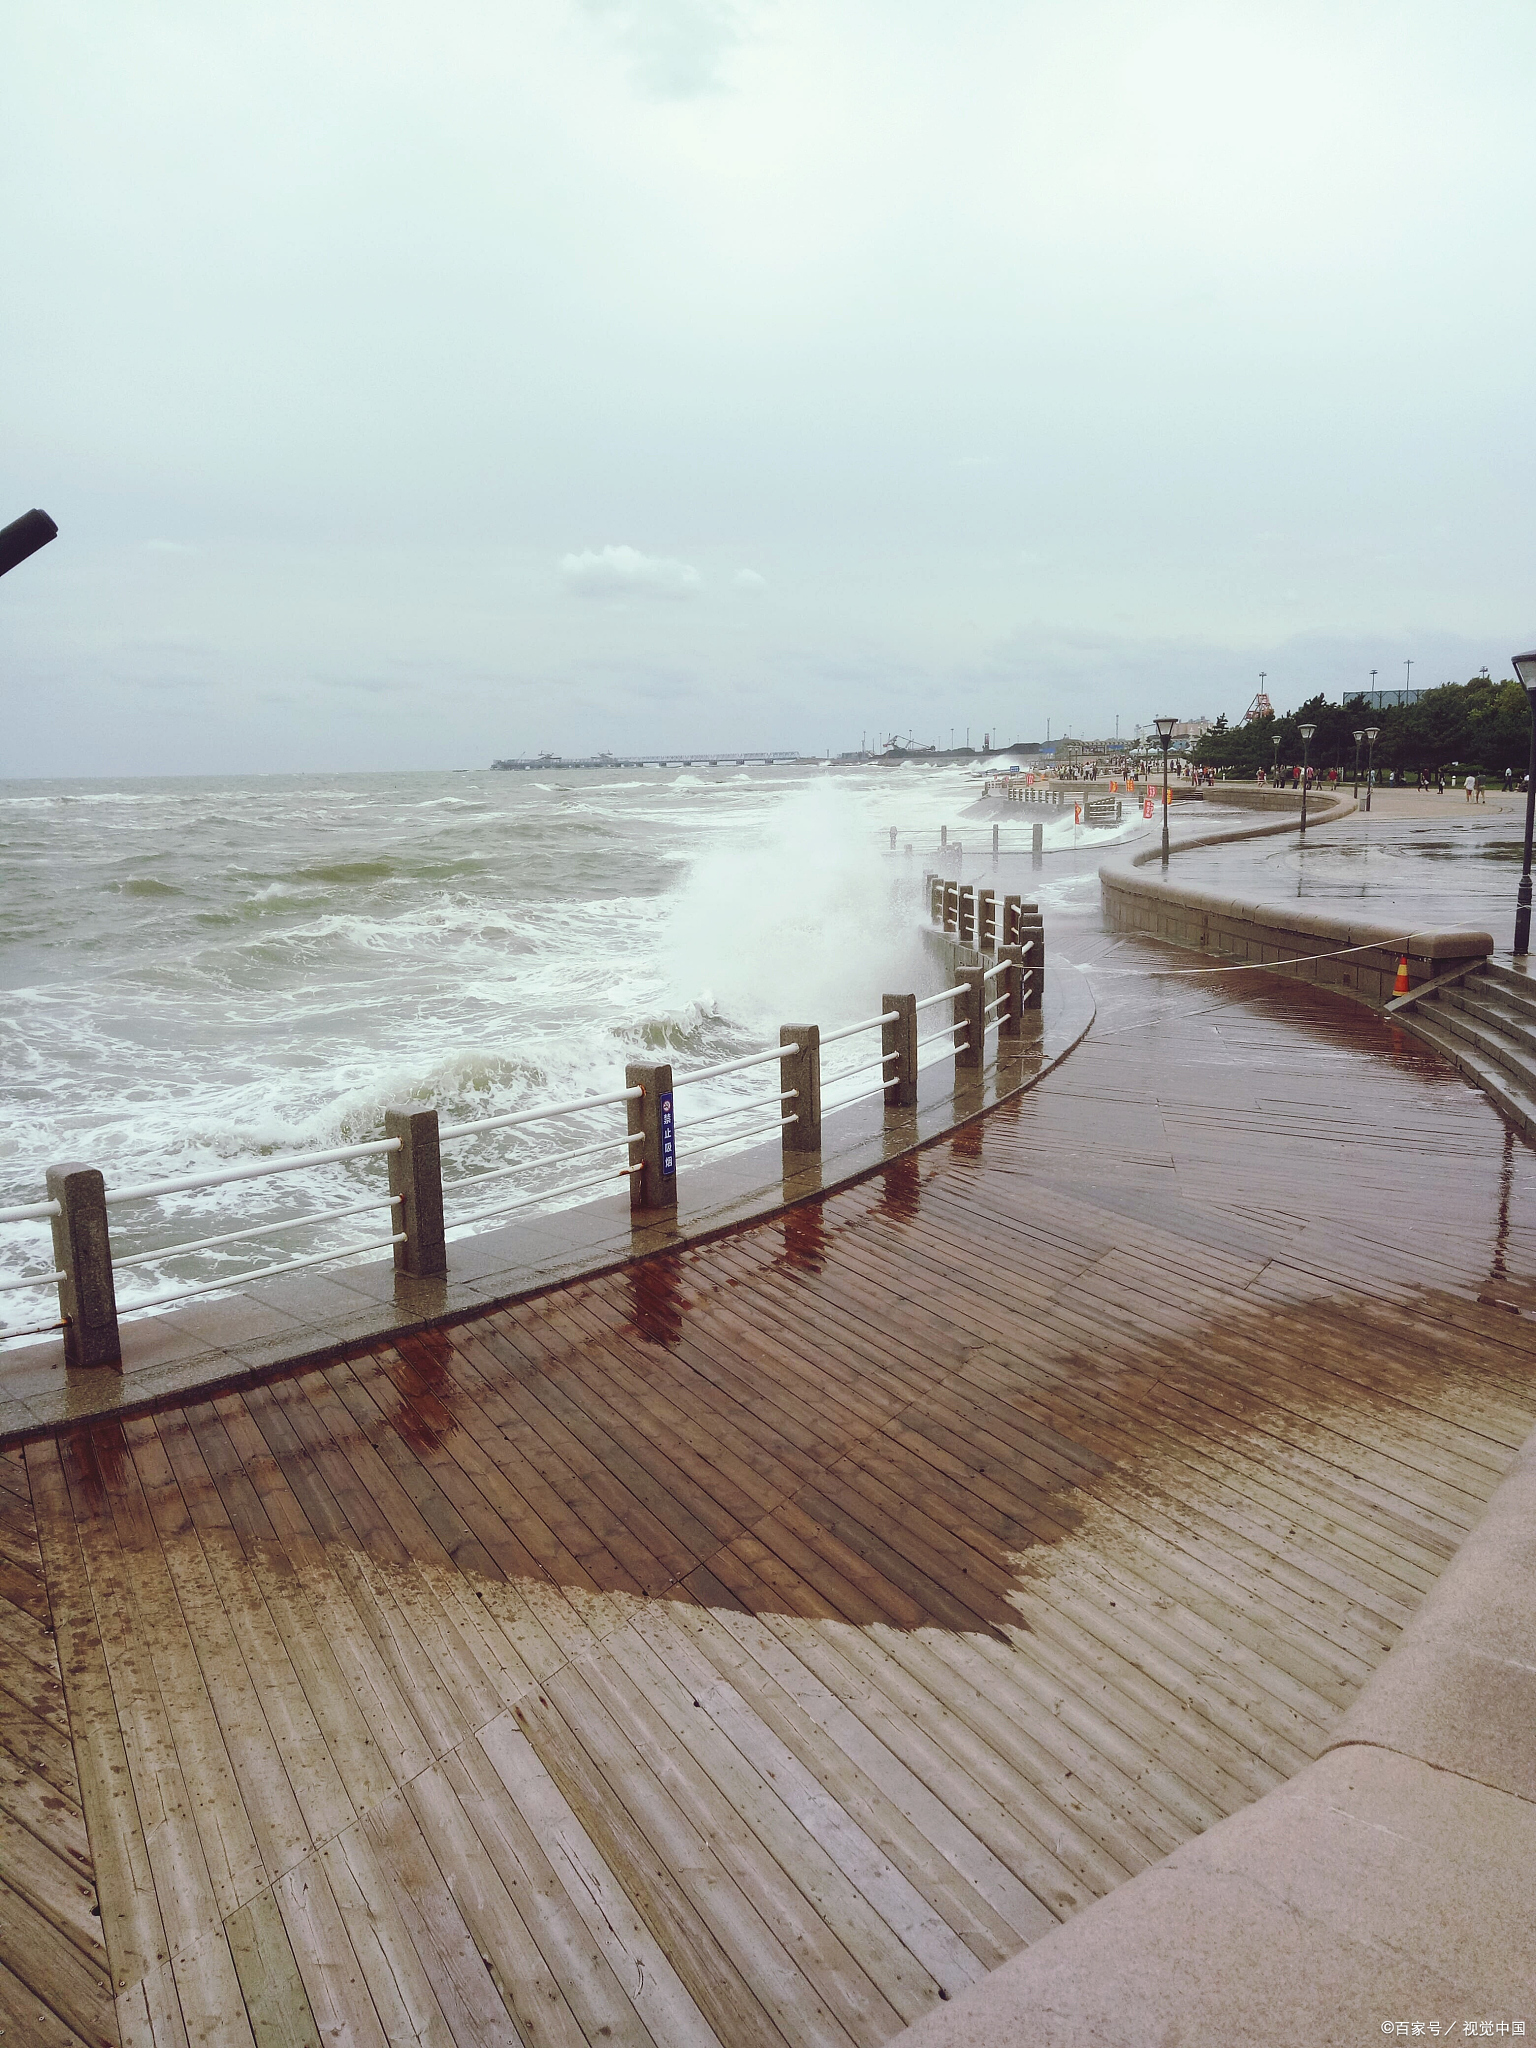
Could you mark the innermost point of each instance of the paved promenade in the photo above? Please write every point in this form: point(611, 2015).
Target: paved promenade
point(762, 1644)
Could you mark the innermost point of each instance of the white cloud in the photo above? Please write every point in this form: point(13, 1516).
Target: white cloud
point(676, 48)
point(748, 579)
point(625, 572)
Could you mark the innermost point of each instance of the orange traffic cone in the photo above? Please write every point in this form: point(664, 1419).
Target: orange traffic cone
point(1400, 986)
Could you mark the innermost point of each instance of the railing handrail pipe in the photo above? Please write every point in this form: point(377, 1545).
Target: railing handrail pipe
point(535, 1116)
point(290, 1163)
point(868, 1024)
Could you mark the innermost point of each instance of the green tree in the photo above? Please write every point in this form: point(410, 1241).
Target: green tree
point(1480, 724)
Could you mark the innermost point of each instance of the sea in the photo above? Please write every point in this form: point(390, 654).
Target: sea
point(200, 973)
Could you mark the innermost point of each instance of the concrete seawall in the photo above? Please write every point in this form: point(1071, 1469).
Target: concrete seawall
point(1141, 895)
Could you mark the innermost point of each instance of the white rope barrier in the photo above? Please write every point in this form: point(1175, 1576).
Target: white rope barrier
point(1243, 966)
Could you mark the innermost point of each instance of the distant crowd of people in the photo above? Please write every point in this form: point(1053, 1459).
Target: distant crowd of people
point(1473, 786)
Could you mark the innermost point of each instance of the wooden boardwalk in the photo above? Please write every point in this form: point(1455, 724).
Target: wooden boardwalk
point(759, 1645)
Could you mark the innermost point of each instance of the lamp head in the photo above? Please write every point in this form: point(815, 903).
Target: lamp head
point(1525, 669)
point(1370, 732)
point(1307, 731)
point(1165, 728)
point(1359, 736)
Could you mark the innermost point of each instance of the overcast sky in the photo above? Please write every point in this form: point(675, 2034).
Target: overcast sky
point(414, 385)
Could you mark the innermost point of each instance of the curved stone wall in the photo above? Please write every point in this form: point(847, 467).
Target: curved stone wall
point(1357, 956)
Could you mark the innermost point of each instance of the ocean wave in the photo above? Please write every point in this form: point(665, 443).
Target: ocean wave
point(412, 947)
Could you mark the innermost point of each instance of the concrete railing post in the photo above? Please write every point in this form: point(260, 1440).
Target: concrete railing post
point(994, 845)
point(943, 835)
point(800, 1069)
point(651, 1118)
point(967, 928)
point(1032, 928)
point(416, 1180)
point(971, 1017)
point(935, 898)
point(1008, 930)
point(899, 1036)
point(986, 921)
point(82, 1252)
point(1037, 841)
point(951, 907)
point(1010, 986)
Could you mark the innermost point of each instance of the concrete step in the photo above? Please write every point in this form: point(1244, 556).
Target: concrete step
point(1483, 1001)
point(1512, 985)
point(1498, 1083)
point(1504, 1048)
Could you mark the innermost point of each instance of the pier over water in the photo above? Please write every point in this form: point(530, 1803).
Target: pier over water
point(764, 1641)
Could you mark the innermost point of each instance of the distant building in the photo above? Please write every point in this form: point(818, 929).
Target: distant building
point(1185, 733)
point(1384, 700)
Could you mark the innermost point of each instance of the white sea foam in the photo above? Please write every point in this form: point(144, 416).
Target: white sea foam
point(332, 945)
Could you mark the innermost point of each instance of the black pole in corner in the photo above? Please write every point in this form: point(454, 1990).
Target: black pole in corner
point(24, 536)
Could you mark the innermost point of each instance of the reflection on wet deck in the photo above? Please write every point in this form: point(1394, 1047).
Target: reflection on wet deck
point(761, 1643)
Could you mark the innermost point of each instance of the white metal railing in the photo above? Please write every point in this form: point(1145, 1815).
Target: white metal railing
point(712, 1116)
point(868, 1024)
point(754, 1059)
point(852, 1073)
point(291, 1162)
point(470, 1180)
point(228, 1280)
point(202, 1244)
point(535, 1116)
point(30, 1280)
point(415, 1159)
point(598, 1180)
point(735, 1137)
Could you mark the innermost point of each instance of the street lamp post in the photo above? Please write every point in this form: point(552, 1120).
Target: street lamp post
point(1165, 736)
point(1274, 773)
point(23, 537)
point(1370, 761)
point(1525, 669)
point(1359, 736)
point(1306, 742)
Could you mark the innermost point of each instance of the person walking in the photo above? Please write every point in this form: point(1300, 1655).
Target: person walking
point(1471, 785)
point(1509, 780)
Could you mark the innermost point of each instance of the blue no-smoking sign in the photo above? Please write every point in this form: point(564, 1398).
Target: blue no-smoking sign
point(668, 1137)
